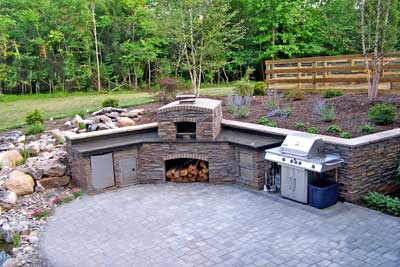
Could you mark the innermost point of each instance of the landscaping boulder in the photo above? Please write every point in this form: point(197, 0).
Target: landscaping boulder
point(76, 121)
point(9, 158)
point(33, 149)
point(29, 169)
point(125, 121)
point(12, 137)
point(108, 110)
point(58, 136)
point(54, 182)
point(51, 167)
point(11, 262)
point(8, 199)
point(6, 146)
point(20, 183)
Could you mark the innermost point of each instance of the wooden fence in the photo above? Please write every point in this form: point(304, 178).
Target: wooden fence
point(341, 72)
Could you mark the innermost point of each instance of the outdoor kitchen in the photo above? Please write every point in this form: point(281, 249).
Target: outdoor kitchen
point(191, 142)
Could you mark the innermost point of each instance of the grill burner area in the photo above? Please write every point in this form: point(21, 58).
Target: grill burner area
point(185, 170)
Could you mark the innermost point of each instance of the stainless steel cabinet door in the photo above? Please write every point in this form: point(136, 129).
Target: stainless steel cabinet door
point(300, 185)
point(286, 182)
point(102, 171)
point(128, 171)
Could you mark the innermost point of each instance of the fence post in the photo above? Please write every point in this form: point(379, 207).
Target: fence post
point(314, 75)
point(267, 75)
point(299, 75)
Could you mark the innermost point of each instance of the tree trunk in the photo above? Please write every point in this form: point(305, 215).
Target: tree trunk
point(93, 6)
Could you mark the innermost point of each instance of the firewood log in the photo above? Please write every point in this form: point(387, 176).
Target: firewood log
point(203, 164)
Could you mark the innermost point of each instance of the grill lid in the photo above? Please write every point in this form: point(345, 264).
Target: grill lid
point(302, 145)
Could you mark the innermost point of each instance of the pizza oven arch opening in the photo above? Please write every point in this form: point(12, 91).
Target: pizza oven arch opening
point(186, 130)
point(186, 170)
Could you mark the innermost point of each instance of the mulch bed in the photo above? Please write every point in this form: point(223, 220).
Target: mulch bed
point(351, 113)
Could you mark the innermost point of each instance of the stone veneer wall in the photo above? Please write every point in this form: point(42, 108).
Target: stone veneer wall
point(367, 168)
point(208, 121)
point(220, 156)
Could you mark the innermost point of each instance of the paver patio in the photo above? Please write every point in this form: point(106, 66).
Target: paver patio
point(214, 225)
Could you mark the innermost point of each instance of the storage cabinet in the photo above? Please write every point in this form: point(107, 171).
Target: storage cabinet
point(128, 171)
point(294, 183)
point(102, 167)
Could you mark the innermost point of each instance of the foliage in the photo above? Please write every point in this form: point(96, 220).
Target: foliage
point(265, 121)
point(299, 125)
point(41, 213)
point(169, 87)
point(294, 95)
point(59, 200)
point(243, 88)
point(77, 192)
point(397, 175)
point(25, 155)
point(35, 129)
point(259, 88)
point(345, 135)
point(382, 114)
point(313, 130)
point(327, 112)
point(34, 117)
point(272, 102)
point(110, 102)
point(383, 203)
point(240, 105)
point(17, 239)
point(368, 129)
point(331, 93)
point(285, 112)
point(333, 129)
point(82, 126)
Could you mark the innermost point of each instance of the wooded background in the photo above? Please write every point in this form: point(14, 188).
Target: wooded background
point(80, 45)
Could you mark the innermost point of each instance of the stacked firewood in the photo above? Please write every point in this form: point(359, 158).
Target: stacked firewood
point(193, 171)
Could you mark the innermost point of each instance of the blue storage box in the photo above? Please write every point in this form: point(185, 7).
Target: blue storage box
point(322, 193)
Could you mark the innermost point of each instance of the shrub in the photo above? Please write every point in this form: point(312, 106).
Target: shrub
point(299, 125)
point(272, 102)
point(333, 129)
point(25, 156)
point(82, 126)
point(382, 114)
point(272, 124)
point(169, 88)
point(82, 114)
point(345, 135)
point(242, 111)
point(332, 93)
point(383, 203)
point(328, 113)
point(35, 129)
point(239, 105)
point(294, 95)
point(243, 88)
point(368, 129)
point(264, 121)
point(313, 130)
point(259, 88)
point(34, 117)
point(110, 102)
point(286, 112)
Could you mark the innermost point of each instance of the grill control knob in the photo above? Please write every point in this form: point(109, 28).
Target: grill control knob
point(291, 161)
point(283, 159)
point(313, 166)
point(299, 162)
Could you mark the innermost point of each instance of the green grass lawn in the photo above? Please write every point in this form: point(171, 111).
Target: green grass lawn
point(13, 109)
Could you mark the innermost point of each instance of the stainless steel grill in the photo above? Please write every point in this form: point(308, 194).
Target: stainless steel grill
point(304, 152)
point(299, 157)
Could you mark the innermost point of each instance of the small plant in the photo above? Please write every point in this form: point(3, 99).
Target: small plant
point(345, 135)
point(272, 102)
point(333, 129)
point(35, 129)
point(243, 88)
point(383, 203)
point(169, 88)
point(34, 117)
point(259, 88)
point(25, 155)
point(313, 130)
point(299, 125)
point(82, 126)
point(242, 111)
point(264, 121)
point(40, 213)
point(328, 113)
point(286, 112)
point(331, 93)
point(110, 102)
point(272, 124)
point(77, 192)
point(17, 240)
point(82, 114)
point(62, 199)
point(239, 105)
point(368, 129)
point(382, 114)
point(294, 95)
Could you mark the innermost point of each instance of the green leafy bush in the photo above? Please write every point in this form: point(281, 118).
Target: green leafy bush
point(313, 130)
point(328, 113)
point(383, 203)
point(345, 135)
point(259, 88)
point(82, 126)
point(35, 129)
point(243, 88)
point(382, 114)
point(242, 111)
point(272, 124)
point(110, 102)
point(230, 108)
point(299, 125)
point(272, 102)
point(264, 121)
point(294, 95)
point(368, 129)
point(331, 93)
point(34, 117)
point(333, 129)
point(285, 112)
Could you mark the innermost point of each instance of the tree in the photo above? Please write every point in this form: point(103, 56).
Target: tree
point(201, 31)
point(378, 22)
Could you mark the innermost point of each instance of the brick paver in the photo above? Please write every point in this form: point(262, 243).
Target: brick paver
point(214, 225)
